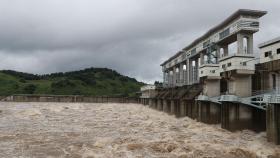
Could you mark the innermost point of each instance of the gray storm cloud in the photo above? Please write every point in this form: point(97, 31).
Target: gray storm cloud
point(130, 36)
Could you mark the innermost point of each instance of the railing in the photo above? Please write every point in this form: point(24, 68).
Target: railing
point(270, 91)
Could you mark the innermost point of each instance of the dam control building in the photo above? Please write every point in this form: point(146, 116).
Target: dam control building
point(220, 79)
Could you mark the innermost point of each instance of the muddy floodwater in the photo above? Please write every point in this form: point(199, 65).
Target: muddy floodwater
point(43, 130)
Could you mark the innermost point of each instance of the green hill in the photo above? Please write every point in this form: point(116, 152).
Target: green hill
point(91, 81)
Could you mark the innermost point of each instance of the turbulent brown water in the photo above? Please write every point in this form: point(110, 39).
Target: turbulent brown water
point(117, 130)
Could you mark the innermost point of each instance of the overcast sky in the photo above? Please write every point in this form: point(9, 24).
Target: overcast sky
point(131, 36)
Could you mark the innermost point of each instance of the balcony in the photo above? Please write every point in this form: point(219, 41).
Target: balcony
point(211, 71)
point(241, 63)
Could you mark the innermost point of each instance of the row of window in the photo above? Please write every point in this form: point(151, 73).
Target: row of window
point(224, 65)
point(229, 64)
point(211, 71)
point(269, 53)
point(224, 33)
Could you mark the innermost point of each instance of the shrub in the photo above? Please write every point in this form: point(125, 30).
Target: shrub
point(29, 89)
point(63, 83)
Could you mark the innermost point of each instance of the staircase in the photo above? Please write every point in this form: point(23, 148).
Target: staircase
point(193, 92)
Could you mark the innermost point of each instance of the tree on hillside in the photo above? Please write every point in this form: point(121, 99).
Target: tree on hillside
point(158, 84)
point(29, 89)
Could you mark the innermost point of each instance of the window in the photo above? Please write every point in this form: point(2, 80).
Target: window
point(223, 66)
point(267, 54)
point(243, 63)
point(229, 64)
point(201, 72)
point(224, 33)
point(193, 51)
point(212, 71)
point(278, 51)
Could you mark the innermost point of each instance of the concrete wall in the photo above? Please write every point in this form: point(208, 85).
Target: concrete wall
point(160, 104)
point(240, 85)
point(209, 70)
point(274, 56)
point(273, 123)
point(52, 98)
point(183, 108)
point(270, 83)
point(150, 93)
point(211, 88)
point(236, 116)
point(208, 112)
point(191, 109)
point(229, 63)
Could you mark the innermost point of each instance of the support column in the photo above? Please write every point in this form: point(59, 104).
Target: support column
point(250, 44)
point(190, 72)
point(235, 116)
point(218, 54)
point(150, 102)
point(202, 58)
point(177, 108)
point(187, 79)
point(181, 74)
point(170, 78)
point(165, 108)
point(172, 107)
point(159, 104)
point(209, 113)
point(225, 48)
point(188, 108)
point(191, 109)
point(177, 76)
point(164, 77)
point(240, 47)
point(196, 78)
point(183, 111)
point(174, 76)
point(154, 103)
point(273, 123)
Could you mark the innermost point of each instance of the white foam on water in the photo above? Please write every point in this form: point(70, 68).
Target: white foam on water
point(117, 130)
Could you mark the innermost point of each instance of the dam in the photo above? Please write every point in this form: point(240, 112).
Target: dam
point(219, 78)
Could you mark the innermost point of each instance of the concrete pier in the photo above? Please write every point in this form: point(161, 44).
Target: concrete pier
point(150, 103)
point(172, 107)
point(191, 109)
point(273, 123)
point(208, 112)
point(236, 116)
point(159, 105)
point(165, 106)
point(168, 110)
point(154, 103)
point(177, 108)
point(183, 108)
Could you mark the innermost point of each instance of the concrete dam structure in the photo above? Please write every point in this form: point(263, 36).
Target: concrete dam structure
point(220, 79)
